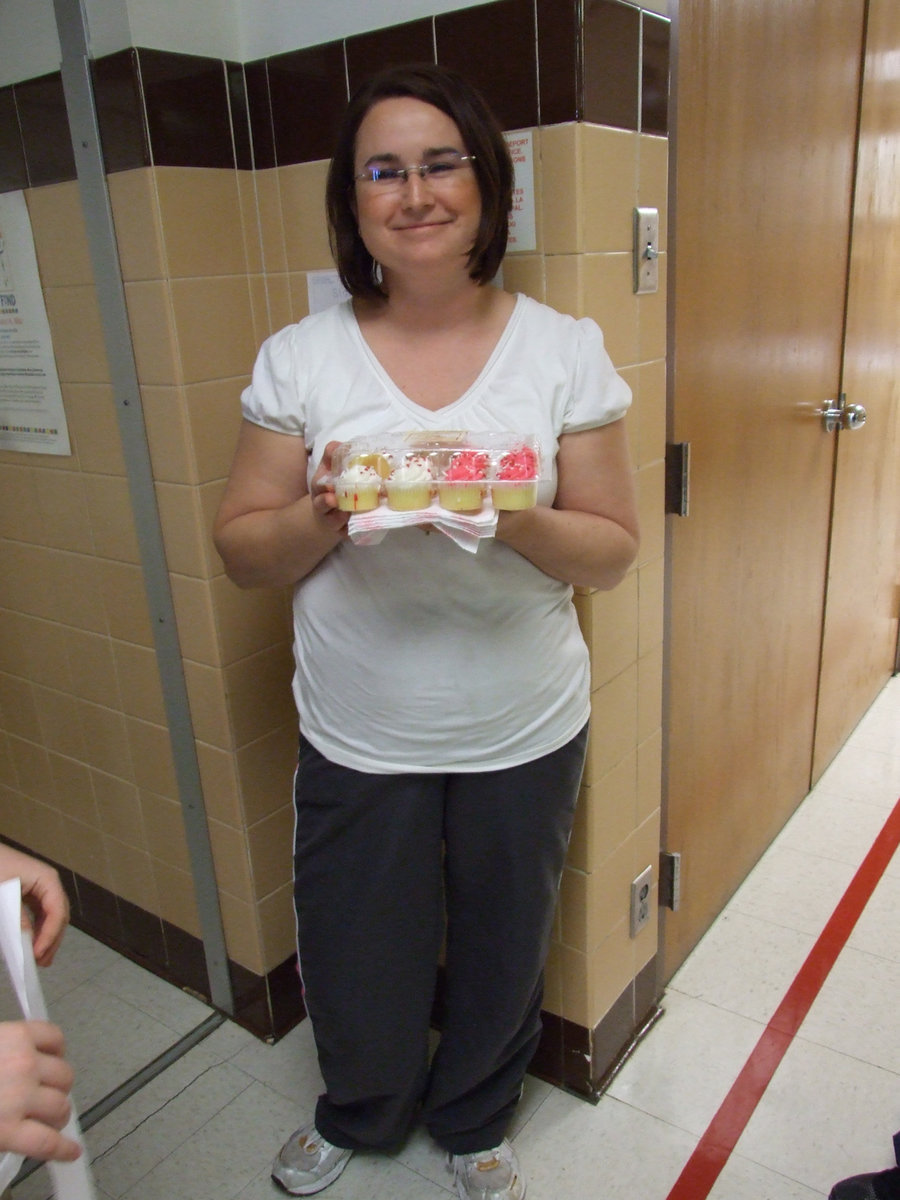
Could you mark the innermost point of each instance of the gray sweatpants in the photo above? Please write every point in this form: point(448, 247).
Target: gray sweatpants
point(381, 862)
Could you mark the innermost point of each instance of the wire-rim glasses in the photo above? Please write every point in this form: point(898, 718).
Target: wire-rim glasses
point(439, 172)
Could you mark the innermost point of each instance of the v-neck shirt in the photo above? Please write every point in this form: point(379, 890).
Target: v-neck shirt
point(414, 655)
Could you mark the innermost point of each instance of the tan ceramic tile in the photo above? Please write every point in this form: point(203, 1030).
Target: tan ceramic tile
point(650, 675)
point(565, 283)
point(137, 671)
point(242, 937)
point(303, 205)
point(168, 434)
point(573, 909)
point(177, 899)
point(58, 713)
point(183, 535)
point(229, 849)
point(163, 825)
point(575, 986)
point(279, 303)
point(151, 755)
point(131, 871)
point(553, 996)
point(86, 852)
point(610, 300)
point(15, 816)
point(631, 376)
point(651, 412)
point(27, 575)
point(35, 650)
point(609, 621)
point(278, 927)
point(60, 240)
point(79, 578)
point(209, 708)
point(125, 603)
point(19, 707)
point(74, 793)
point(646, 845)
point(525, 273)
point(111, 517)
point(259, 307)
point(609, 184)
point(270, 844)
point(214, 420)
point(610, 971)
point(215, 327)
point(20, 512)
point(136, 217)
point(605, 816)
point(118, 808)
point(201, 221)
point(613, 725)
point(271, 220)
point(93, 670)
point(250, 225)
point(562, 196)
point(298, 285)
point(649, 785)
point(46, 835)
point(653, 184)
point(218, 779)
point(193, 601)
point(77, 335)
point(93, 427)
point(7, 770)
point(652, 318)
point(650, 605)
point(248, 619)
point(266, 772)
point(105, 739)
point(259, 693)
point(153, 332)
point(651, 496)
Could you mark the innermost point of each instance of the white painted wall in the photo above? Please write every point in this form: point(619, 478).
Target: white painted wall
point(241, 30)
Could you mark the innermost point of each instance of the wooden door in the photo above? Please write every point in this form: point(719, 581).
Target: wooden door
point(863, 597)
point(767, 100)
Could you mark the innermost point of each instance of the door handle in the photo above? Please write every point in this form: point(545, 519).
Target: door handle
point(843, 415)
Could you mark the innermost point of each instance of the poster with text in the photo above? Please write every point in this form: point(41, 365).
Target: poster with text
point(32, 418)
point(522, 233)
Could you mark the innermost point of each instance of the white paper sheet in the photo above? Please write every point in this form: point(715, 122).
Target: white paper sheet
point(71, 1181)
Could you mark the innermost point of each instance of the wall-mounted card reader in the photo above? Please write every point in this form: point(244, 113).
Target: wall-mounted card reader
point(646, 250)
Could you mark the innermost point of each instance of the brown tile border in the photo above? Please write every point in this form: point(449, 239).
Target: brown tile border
point(537, 61)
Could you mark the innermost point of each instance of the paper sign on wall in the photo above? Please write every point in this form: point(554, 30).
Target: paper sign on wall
point(522, 233)
point(32, 418)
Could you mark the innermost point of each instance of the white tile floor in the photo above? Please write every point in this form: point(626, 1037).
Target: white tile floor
point(207, 1128)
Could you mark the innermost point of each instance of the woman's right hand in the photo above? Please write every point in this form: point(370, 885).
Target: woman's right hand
point(35, 1081)
point(324, 501)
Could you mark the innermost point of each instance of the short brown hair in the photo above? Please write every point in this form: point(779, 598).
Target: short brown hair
point(452, 94)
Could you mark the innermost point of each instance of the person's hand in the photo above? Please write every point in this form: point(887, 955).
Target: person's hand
point(43, 895)
point(321, 488)
point(35, 1081)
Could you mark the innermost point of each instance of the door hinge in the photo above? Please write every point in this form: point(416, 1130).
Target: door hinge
point(670, 879)
point(678, 478)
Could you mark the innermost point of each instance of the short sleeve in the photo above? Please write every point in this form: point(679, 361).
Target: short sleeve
point(274, 398)
point(599, 395)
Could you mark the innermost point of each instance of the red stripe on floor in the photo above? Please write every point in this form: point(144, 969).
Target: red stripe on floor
point(715, 1146)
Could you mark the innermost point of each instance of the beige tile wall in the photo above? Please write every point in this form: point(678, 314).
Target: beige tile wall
point(213, 261)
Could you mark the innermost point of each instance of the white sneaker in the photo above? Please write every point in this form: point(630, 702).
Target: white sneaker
point(488, 1174)
point(308, 1163)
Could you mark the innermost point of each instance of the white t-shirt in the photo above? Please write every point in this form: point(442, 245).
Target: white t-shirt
point(414, 655)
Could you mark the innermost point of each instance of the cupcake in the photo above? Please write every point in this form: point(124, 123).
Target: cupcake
point(461, 487)
point(516, 481)
point(358, 487)
point(409, 487)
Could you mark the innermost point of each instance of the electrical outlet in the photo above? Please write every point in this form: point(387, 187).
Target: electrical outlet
point(641, 890)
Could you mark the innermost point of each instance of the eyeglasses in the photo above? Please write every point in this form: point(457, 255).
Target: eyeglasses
point(438, 173)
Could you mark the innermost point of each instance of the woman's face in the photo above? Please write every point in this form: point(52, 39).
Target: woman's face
point(420, 224)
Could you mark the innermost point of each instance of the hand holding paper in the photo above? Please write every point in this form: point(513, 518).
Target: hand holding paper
point(35, 1081)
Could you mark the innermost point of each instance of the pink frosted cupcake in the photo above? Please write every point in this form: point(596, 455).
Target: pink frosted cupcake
point(516, 481)
point(461, 488)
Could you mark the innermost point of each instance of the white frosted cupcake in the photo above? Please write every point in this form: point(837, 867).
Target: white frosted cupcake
point(409, 487)
point(358, 488)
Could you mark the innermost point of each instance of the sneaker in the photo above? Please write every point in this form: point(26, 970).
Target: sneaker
point(882, 1185)
point(488, 1175)
point(308, 1163)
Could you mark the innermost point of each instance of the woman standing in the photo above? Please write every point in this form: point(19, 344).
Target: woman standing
point(443, 696)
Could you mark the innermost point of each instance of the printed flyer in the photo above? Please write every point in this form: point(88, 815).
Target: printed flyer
point(32, 418)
